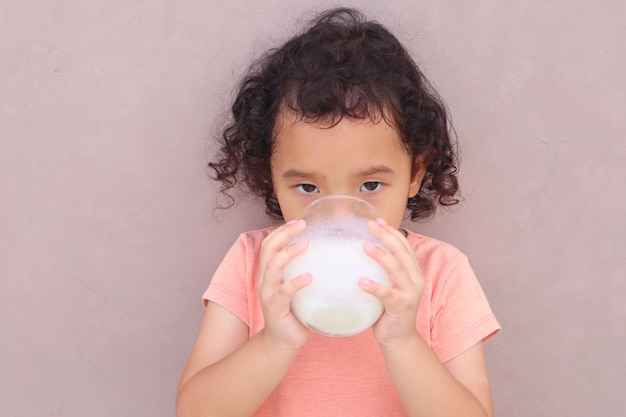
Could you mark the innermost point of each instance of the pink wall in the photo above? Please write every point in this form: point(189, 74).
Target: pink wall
point(107, 235)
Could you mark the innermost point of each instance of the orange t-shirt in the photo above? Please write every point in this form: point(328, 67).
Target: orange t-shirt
point(347, 376)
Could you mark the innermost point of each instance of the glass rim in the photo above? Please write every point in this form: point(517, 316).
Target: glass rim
point(322, 200)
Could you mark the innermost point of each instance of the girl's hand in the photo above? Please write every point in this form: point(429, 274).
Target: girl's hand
point(397, 324)
point(280, 324)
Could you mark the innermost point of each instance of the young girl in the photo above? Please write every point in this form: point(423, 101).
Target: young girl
point(340, 109)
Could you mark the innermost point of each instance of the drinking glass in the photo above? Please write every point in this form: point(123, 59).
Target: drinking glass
point(333, 304)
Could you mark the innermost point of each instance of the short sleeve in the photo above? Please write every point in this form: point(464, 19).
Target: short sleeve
point(461, 313)
point(228, 286)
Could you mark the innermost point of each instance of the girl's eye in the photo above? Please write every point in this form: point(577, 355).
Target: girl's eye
point(307, 188)
point(371, 186)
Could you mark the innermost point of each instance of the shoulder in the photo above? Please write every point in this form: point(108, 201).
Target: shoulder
point(251, 240)
point(431, 249)
point(239, 265)
point(442, 264)
point(246, 248)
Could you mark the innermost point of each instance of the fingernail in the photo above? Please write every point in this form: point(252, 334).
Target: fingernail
point(374, 225)
point(369, 245)
point(295, 223)
point(381, 221)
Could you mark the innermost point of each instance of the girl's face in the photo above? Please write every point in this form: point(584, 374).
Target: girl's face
point(357, 158)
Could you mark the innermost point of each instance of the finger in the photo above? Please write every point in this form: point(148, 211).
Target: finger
point(384, 293)
point(398, 274)
point(395, 242)
point(273, 270)
point(278, 303)
point(390, 237)
point(289, 288)
point(276, 241)
point(279, 237)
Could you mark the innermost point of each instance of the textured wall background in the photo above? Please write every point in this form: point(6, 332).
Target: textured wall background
point(108, 237)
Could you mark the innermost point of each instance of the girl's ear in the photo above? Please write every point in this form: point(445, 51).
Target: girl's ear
point(419, 171)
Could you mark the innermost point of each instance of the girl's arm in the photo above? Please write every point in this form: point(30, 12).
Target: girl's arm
point(427, 386)
point(229, 374)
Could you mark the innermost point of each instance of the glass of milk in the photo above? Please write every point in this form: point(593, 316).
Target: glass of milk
point(333, 304)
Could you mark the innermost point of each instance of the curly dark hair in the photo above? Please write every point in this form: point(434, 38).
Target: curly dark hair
point(341, 66)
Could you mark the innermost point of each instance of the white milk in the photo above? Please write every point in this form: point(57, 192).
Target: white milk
point(333, 304)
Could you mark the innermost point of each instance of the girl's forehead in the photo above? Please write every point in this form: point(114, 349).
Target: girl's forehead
point(289, 124)
point(288, 117)
point(349, 142)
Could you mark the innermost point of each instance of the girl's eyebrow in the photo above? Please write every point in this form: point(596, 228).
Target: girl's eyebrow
point(296, 173)
point(375, 170)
